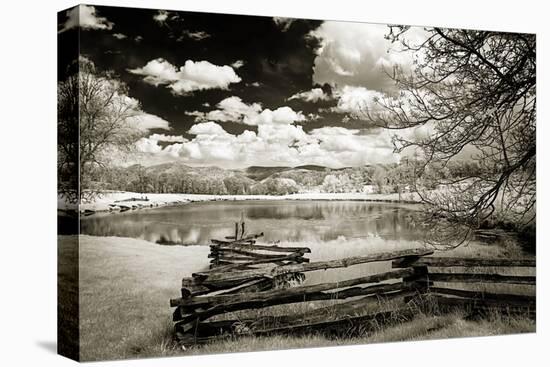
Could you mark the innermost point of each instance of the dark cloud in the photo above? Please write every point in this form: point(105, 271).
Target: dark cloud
point(255, 90)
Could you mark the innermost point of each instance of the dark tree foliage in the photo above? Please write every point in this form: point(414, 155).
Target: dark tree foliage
point(474, 92)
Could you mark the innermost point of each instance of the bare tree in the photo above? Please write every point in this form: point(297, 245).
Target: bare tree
point(474, 94)
point(94, 107)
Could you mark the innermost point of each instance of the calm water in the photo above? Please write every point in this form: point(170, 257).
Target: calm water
point(288, 221)
point(331, 229)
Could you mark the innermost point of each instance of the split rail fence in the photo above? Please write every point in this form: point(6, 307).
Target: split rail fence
point(245, 276)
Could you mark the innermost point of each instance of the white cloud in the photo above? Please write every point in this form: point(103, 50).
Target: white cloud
point(282, 115)
point(147, 121)
point(110, 89)
point(283, 23)
point(85, 17)
point(168, 138)
point(357, 101)
point(313, 116)
point(195, 36)
point(235, 110)
point(146, 145)
point(120, 36)
point(161, 16)
point(229, 109)
point(357, 53)
point(314, 95)
point(283, 134)
point(279, 144)
point(192, 76)
point(237, 64)
point(208, 128)
point(152, 146)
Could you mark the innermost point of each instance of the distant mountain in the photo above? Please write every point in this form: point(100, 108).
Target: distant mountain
point(313, 167)
point(259, 173)
point(169, 168)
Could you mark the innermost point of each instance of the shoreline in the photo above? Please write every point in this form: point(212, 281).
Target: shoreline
point(119, 202)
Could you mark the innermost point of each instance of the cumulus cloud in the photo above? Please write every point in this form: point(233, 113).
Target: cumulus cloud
point(235, 110)
point(282, 115)
point(207, 128)
point(195, 36)
point(313, 116)
point(277, 144)
point(111, 89)
point(192, 76)
point(237, 64)
point(147, 121)
point(85, 17)
point(283, 23)
point(356, 54)
point(229, 109)
point(146, 145)
point(161, 16)
point(152, 146)
point(168, 138)
point(314, 95)
point(357, 101)
point(120, 36)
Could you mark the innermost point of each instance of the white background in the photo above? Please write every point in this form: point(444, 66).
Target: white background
point(28, 182)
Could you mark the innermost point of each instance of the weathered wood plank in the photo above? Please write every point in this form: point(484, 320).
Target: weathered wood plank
point(334, 325)
point(229, 243)
point(457, 261)
point(500, 297)
point(232, 266)
point(528, 309)
point(189, 282)
point(295, 291)
point(254, 261)
point(245, 238)
point(181, 312)
point(481, 278)
point(296, 321)
point(272, 248)
point(268, 272)
point(193, 290)
point(196, 291)
point(252, 254)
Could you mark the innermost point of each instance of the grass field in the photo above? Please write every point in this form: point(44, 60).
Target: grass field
point(125, 286)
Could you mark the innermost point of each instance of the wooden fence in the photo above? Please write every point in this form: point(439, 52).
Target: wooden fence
point(246, 276)
point(244, 253)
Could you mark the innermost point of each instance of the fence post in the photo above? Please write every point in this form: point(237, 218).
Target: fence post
point(419, 279)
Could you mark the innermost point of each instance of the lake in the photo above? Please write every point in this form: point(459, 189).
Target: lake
point(286, 221)
point(331, 229)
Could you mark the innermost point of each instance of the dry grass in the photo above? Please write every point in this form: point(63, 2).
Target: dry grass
point(125, 285)
point(422, 327)
point(67, 297)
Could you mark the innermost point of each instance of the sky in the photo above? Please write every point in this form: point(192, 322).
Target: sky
point(237, 91)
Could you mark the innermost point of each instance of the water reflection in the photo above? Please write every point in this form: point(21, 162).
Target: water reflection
point(318, 221)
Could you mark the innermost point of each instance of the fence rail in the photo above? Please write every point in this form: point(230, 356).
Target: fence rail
point(246, 276)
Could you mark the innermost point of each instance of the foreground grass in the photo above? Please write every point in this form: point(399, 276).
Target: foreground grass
point(423, 327)
point(125, 285)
